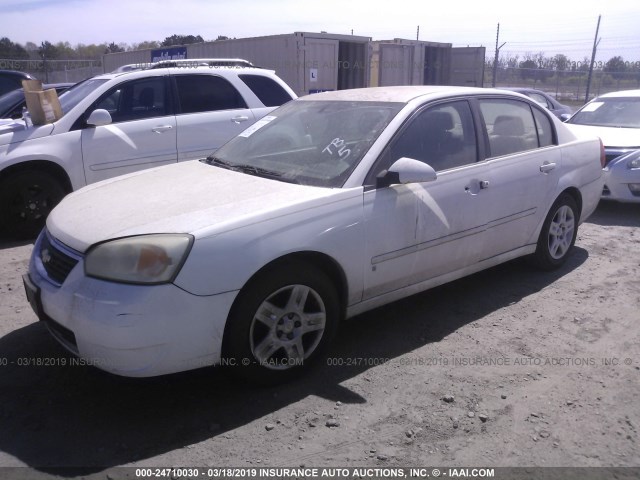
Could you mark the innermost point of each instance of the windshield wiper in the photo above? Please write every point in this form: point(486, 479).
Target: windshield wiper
point(213, 160)
point(245, 168)
point(253, 170)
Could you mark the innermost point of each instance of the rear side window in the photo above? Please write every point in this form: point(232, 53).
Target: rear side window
point(510, 126)
point(268, 91)
point(544, 127)
point(207, 93)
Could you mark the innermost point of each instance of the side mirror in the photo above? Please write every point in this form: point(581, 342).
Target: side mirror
point(99, 117)
point(565, 116)
point(406, 170)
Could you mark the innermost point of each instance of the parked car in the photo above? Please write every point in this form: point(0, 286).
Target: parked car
point(544, 99)
point(332, 205)
point(12, 103)
point(120, 123)
point(12, 79)
point(615, 118)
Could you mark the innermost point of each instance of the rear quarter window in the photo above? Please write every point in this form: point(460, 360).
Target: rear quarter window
point(268, 91)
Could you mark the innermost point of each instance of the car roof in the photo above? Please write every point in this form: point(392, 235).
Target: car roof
point(402, 94)
point(622, 93)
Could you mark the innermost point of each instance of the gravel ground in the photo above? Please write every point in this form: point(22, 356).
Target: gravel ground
point(509, 367)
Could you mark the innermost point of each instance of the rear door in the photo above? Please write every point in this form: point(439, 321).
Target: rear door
point(210, 112)
point(142, 133)
point(525, 165)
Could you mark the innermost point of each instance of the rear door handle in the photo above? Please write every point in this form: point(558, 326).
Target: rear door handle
point(484, 184)
point(239, 119)
point(547, 167)
point(161, 128)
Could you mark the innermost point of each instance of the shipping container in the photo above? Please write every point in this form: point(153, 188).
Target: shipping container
point(414, 62)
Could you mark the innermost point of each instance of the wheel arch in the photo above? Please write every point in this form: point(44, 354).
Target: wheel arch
point(577, 197)
point(47, 166)
point(321, 261)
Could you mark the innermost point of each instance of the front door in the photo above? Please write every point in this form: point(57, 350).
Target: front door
point(421, 231)
point(142, 133)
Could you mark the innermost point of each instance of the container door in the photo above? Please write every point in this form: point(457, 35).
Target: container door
point(321, 65)
point(395, 64)
point(467, 66)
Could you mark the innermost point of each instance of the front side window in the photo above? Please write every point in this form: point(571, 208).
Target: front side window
point(510, 126)
point(442, 136)
point(207, 93)
point(310, 142)
point(135, 100)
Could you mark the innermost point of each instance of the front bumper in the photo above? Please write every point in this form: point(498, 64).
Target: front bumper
point(129, 330)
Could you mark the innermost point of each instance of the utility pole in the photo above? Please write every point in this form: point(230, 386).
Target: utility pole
point(596, 41)
point(495, 60)
point(418, 34)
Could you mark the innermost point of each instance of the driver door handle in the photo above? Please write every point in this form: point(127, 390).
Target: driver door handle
point(239, 118)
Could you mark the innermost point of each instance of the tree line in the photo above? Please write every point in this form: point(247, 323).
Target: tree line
point(538, 67)
point(65, 51)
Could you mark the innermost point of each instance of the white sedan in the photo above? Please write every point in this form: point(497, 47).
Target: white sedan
point(332, 205)
point(615, 118)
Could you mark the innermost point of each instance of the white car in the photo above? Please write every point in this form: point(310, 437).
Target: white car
point(332, 205)
point(615, 118)
point(120, 123)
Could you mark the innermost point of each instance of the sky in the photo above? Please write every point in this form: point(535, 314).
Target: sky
point(548, 26)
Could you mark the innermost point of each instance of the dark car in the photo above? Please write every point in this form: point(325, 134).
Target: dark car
point(12, 103)
point(544, 99)
point(11, 79)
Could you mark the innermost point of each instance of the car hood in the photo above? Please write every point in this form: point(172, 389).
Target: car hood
point(610, 136)
point(20, 135)
point(190, 197)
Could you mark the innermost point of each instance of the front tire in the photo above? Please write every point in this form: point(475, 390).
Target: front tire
point(558, 234)
point(280, 323)
point(26, 198)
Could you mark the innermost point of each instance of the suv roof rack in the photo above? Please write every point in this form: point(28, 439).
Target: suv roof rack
point(203, 62)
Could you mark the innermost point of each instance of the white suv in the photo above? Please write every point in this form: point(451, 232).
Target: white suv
point(119, 123)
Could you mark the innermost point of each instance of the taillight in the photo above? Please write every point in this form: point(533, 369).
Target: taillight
point(603, 155)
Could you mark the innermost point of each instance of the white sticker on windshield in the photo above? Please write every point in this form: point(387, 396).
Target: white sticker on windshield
point(592, 107)
point(257, 126)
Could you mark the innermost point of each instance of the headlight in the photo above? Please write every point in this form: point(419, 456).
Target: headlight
point(146, 259)
point(635, 163)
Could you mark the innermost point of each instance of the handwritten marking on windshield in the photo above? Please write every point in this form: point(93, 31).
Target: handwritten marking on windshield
point(339, 147)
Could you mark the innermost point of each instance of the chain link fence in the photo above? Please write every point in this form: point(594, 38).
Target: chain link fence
point(55, 71)
point(566, 86)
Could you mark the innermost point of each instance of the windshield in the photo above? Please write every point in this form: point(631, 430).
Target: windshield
point(610, 112)
point(78, 92)
point(315, 143)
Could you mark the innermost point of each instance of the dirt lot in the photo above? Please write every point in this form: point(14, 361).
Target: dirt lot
point(509, 367)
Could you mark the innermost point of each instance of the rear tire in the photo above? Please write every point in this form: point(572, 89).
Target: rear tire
point(26, 198)
point(280, 323)
point(558, 234)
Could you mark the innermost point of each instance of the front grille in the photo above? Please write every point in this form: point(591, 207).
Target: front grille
point(57, 263)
